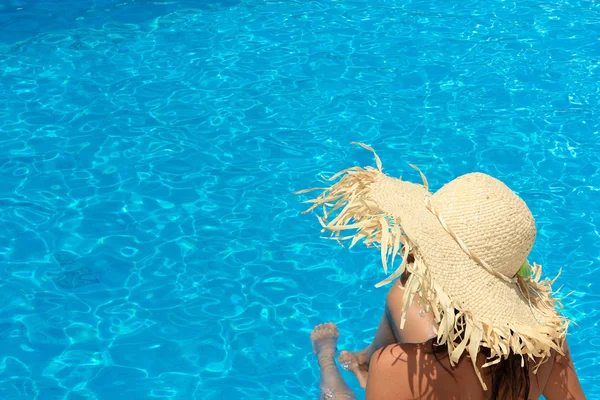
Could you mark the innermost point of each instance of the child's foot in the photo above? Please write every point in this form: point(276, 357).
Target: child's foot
point(357, 363)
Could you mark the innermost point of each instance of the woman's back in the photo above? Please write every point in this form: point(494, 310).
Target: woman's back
point(409, 371)
point(416, 370)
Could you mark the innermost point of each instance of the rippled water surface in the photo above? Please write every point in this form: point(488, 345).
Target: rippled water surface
point(150, 246)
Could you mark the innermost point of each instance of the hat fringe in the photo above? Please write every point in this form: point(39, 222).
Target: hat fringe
point(456, 328)
point(358, 212)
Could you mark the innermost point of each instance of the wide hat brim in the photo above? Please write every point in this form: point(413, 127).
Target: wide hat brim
point(472, 307)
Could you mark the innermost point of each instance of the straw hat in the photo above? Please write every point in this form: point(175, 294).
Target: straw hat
point(470, 241)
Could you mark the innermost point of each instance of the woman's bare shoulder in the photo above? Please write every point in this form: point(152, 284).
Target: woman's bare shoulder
point(409, 371)
point(389, 364)
point(563, 382)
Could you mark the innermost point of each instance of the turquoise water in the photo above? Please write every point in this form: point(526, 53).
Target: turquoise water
point(150, 245)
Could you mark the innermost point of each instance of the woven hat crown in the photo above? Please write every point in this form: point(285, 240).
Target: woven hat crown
point(491, 220)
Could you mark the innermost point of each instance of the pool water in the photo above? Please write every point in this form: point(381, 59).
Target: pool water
point(150, 244)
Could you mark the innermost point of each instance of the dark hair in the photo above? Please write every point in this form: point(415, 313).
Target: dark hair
point(510, 380)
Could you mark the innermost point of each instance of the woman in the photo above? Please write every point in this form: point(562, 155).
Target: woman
point(469, 318)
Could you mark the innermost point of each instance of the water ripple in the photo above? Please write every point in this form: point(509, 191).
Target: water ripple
point(152, 246)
